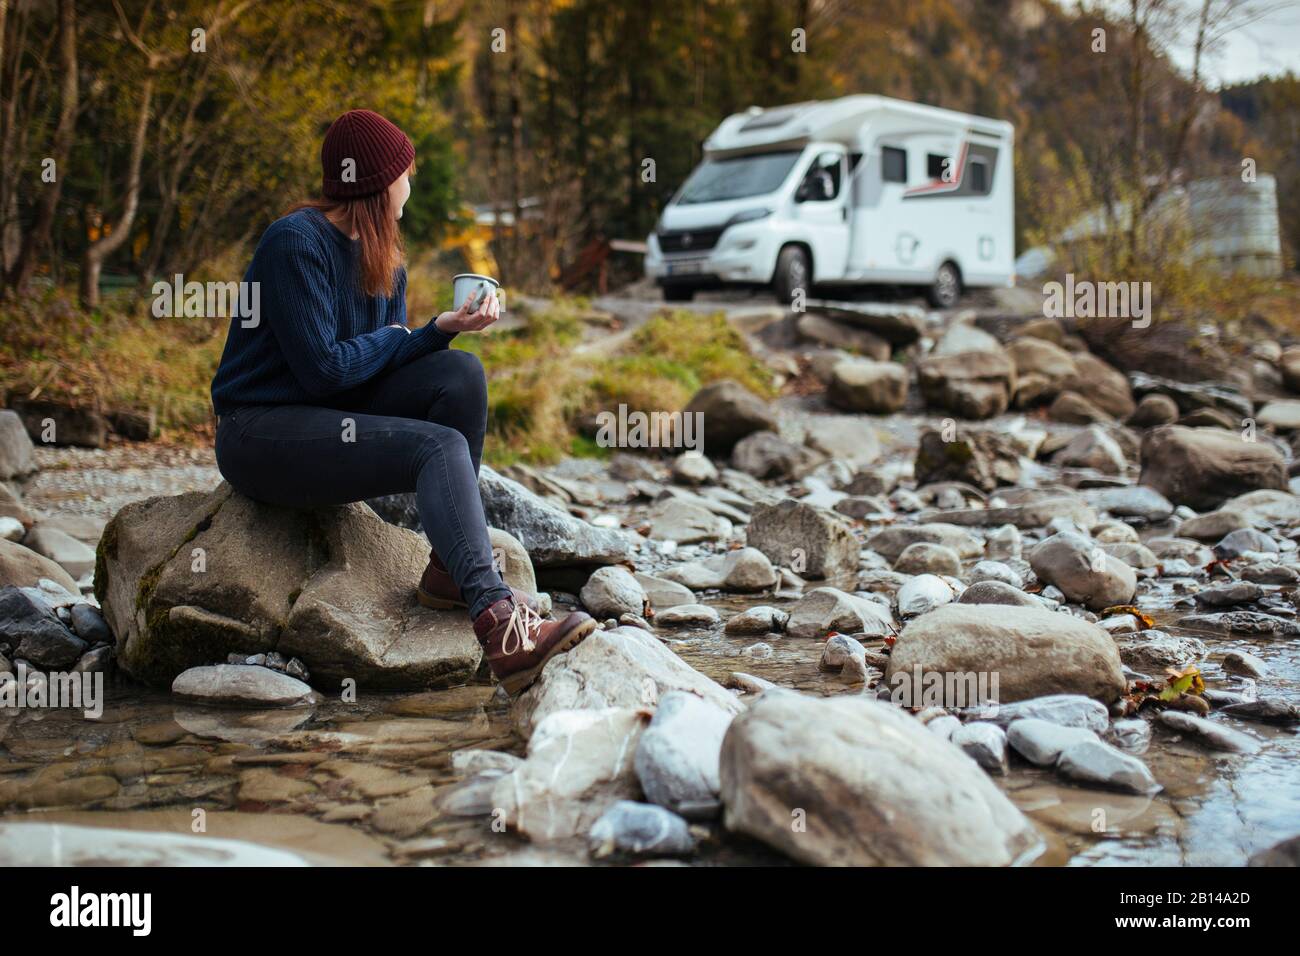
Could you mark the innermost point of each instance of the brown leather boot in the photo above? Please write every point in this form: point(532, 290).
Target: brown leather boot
point(438, 590)
point(518, 642)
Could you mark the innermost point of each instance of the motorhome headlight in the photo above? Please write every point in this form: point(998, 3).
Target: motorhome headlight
point(748, 215)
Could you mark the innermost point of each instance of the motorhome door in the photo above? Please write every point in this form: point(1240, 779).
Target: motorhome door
point(823, 213)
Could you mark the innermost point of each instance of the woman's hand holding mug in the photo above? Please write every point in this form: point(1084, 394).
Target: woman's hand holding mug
point(478, 309)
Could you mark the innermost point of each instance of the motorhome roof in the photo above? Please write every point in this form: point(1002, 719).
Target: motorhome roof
point(837, 120)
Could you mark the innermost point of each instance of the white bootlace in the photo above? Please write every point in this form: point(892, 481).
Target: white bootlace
point(523, 620)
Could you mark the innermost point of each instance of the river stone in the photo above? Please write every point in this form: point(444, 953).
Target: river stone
point(22, 567)
point(983, 742)
point(892, 542)
point(1203, 467)
point(240, 685)
point(984, 459)
point(551, 536)
point(687, 615)
point(791, 529)
point(1283, 415)
point(1098, 763)
point(1133, 554)
point(1066, 710)
point(1085, 573)
point(740, 570)
point(1244, 541)
point(1032, 651)
point(1267, 710)
point(1267, 572)
point(1254, 623)
point(838, 335)
point(1245, 663)
point(17, 453)
point(629, 828)
point(621, 667)
point(1100, 383)
point(1004, 544)
point(762, 619)
point(677, 756)
point(36, 633)
point(729, 412)
point(994, 571)
point(766, 455)
point(685, 522)
point(25, 844)
point(968, 384)
point(826, 609)
point(921, 557)
point(579, 763)
point(1071, 408)
point(923, 594)
point(1093, 448)
point(997, 592)
point(661, 592)
point(692, 468)
point(1213, 525)
point(874, 786)
point(1155, 650)
point(864, 385)
point(1267, 507)
point(1042, 742)
point(1153, 411)
point(1229, 594)
point(75, 557)
point(1213, 735)
point(612, 592)
point(1030, 514)
point(1035, 356)
point(333, 587)
point(89, 624)
point(1136, 501)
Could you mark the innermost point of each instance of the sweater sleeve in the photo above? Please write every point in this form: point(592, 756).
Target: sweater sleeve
point(295, 282)
point(421, 341)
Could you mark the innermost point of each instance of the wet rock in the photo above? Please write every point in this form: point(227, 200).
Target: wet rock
point(1083, 572)
point(72, 555)
point(687, 615)
point(844, 437)
point(11, 529)
point(240, 685)
point(1099, 764)
point(994, 571)
point(1156, 650)
point(1228, 595)
point(983, 742)
point(623, 667)
point(330, 586)
point(1269, 573)
point(89, 624)
point(693, 468)
point(1153, 411)
point(1265, 710)
point(839, 335)
point(1213, 735)
point(729, 412)
point(1004, 544)
point(839, 650)
point(36, 633)
point(1282, 416)
point(997, 592)
point(921, 557)
point(579, 763)
point(1042, 742)
point(879, 791)
point(923, 594)
point(95, 660)
point(741, 570)
point(1031, 514)
point(1034, 652)
point(826, 609)
point(970, 384)
point(1247, 664)
point(1134, 555)
point(768, 456)
point(551, 536)
point(1203, 467)
point(678, 754)
point(1066, 710)
point(1267, 507)
point(757, 620)
point(863, 385)
point(612, 591)
point(1132, 735)
point(22, 567)
point(1213, 525)
point(1184, 549)
point(17, 453)
point(1244, 541)
point(639, 829)
point(943, 726)
point(1093, 448)
point(1242, 622)
point(792, 531)
point(891, 542)
point(983, 459)
point(685, 522)
point(896, 324)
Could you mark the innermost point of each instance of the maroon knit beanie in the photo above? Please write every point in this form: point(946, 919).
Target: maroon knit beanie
point(380, 152)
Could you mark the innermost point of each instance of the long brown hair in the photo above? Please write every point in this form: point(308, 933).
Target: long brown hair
point(372, 219)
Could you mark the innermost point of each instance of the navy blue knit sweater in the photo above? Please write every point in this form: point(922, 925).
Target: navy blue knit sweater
point(317, 332)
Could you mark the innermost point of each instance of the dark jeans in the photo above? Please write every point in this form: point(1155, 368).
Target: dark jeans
point(418, 428)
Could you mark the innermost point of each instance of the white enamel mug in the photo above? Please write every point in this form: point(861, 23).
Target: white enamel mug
point(472, 286)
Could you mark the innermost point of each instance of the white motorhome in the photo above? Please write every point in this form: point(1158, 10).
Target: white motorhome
point(855, 191)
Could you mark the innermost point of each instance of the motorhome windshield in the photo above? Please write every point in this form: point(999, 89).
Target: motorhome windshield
point(736, 177)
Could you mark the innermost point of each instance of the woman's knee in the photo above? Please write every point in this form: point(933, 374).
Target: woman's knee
point(434, 441)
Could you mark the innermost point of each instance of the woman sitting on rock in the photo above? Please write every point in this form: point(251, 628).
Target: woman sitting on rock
point(325, 396)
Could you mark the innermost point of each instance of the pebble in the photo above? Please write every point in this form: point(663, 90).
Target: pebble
point(1213, 735)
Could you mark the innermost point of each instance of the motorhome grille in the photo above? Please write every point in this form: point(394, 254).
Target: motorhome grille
point(689, 240)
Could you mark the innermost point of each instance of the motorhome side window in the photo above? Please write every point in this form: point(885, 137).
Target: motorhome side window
point(893, 164)
point(978, 170)
point(822, 181)
point(939, 167)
